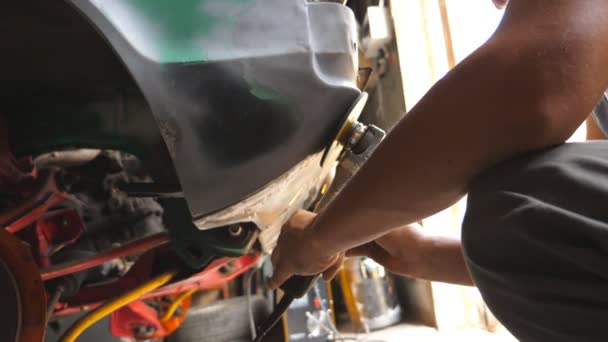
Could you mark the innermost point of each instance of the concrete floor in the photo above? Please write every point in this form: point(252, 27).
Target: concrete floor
point(413, 333)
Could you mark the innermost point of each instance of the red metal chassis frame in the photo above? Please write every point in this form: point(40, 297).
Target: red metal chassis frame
point(44, 193)
point(211, 277)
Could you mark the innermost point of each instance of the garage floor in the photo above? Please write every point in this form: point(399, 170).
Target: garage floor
point(415, 333)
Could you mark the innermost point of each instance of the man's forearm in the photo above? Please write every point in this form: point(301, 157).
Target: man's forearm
point(412, 252)
point(427, 161)
point(441, 259)
point(508, 98)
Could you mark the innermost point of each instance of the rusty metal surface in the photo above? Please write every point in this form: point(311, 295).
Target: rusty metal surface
point(271, 207)
point(46, 194)
point(132, 248)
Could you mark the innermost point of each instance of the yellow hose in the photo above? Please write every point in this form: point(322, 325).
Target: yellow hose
point(171, 310)
point(85, 322)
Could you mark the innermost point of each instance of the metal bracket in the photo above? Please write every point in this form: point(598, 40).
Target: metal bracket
point(198, 248)
point(345, 127)
point(361, 143)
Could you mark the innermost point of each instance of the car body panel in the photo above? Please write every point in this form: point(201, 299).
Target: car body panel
point(241, 94)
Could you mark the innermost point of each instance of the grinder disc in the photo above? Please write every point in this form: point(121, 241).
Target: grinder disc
point(347, 122)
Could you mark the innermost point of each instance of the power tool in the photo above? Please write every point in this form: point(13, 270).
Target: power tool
point(359, 144)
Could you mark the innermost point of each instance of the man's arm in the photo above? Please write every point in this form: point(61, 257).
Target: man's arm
point(410, 252)
point(529, 87)
point(593, 130)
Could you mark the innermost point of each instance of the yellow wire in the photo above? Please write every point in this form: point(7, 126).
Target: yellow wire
point(85, 322)
point(171, 310)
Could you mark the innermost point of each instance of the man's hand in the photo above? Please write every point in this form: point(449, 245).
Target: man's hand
point(406, 251)
point(409, 252)
point(398, 251)
point(297, 253)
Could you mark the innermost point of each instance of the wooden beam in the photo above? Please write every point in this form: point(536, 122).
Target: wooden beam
point(447, 34)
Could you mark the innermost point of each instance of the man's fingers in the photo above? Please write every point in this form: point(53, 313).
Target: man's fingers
point(358, 251)
point(371, 250)
point(392, 242)
point(301, 219)
point(331, 272)
point(274, 258)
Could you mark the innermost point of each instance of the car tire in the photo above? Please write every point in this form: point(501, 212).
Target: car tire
point(222, 321)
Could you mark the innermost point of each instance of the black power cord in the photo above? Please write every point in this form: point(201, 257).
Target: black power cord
point(295, 287)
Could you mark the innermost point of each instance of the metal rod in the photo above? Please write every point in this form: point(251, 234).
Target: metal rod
point(54, 299)
point(75, 266)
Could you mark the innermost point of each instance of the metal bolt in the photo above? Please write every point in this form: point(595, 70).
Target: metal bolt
point(228, 268)
point(144, 331)
point(236, 231)
point(358, 131)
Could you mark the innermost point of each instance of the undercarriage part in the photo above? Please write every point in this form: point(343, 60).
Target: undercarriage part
point(217, 273)
point(52, 302)
point(68, 158)
point(80, 228)
point(92, 240)
point(171, 311)
point(46, 193)
point(133, 248)
point(149, 323)
point(23, 313)
point(82, 324)
point(140, 320)
point(115, 227)
point(143, 319)
point(198, 248)
point(150, 190)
